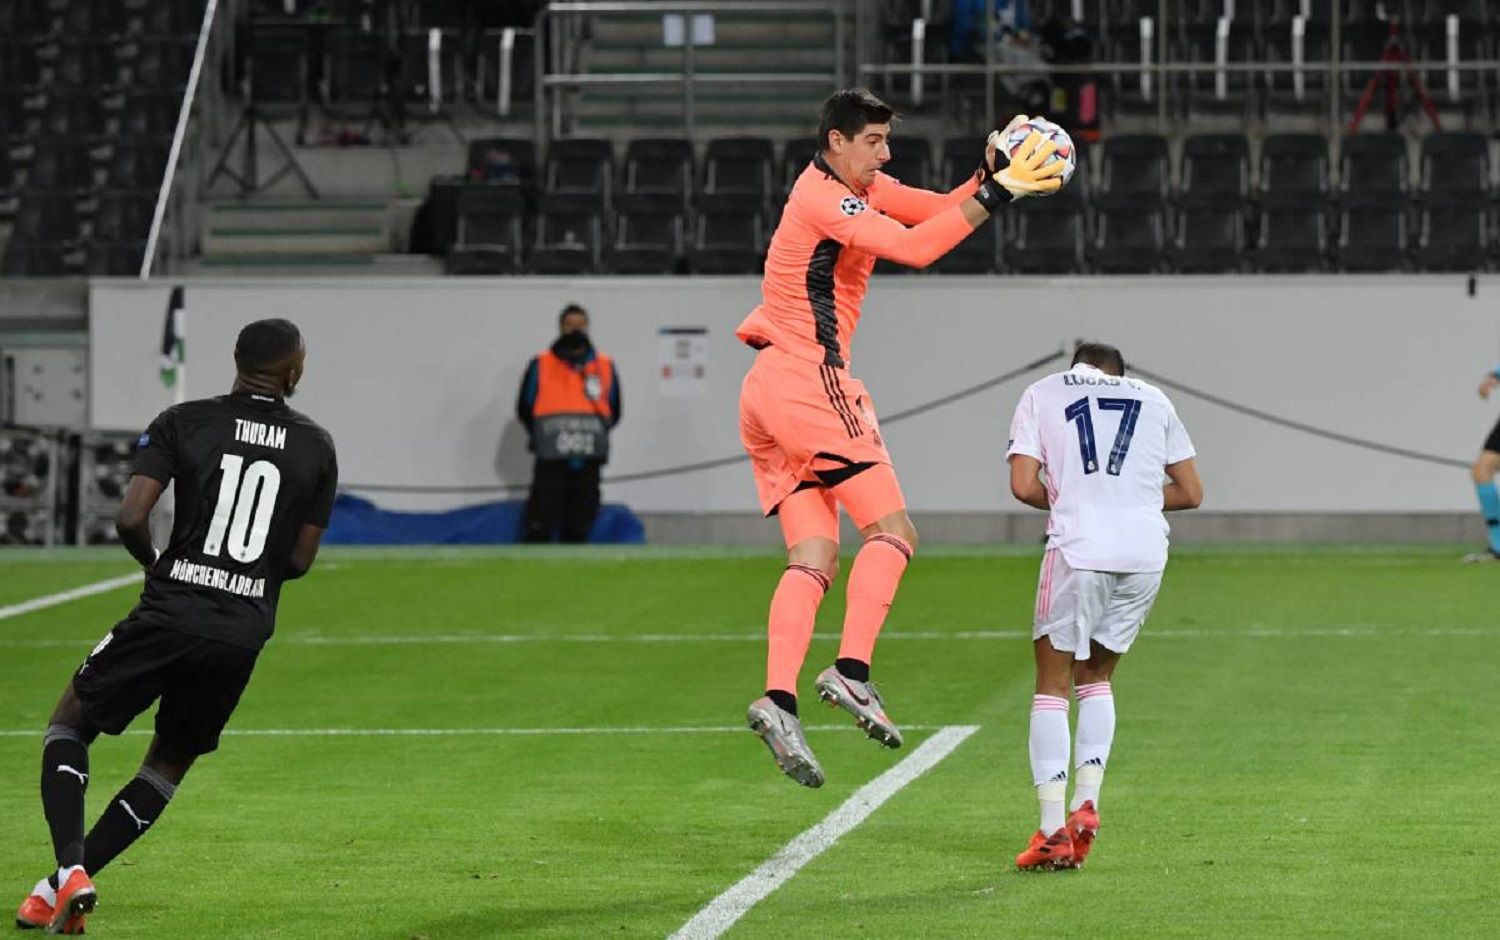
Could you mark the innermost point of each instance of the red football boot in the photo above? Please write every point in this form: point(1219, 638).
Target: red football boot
point(1083, 826)
point(75, 901)
point(35, 912)
point(1046, 853)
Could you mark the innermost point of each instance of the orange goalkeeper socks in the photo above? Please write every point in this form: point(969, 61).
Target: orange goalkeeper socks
point(872, 586)
point(794, 608)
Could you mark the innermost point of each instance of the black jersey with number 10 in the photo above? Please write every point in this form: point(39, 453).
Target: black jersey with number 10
point(248, 473)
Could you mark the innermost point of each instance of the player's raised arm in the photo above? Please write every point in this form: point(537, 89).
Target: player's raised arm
point(914, 205)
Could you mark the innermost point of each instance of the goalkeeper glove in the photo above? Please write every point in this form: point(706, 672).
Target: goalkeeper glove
point(994, 144)
point(1024, 176)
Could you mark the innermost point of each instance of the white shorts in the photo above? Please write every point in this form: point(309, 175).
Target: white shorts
point(1075, 608)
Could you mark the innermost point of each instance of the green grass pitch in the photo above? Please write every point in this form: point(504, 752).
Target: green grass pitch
point(1306, 747)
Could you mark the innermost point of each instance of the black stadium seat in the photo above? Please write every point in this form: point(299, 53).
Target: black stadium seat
point(798, 154)
point(1293, 236)
point(1372, 236)
point(1134, 167)
point(124, 215)
point(1453, 234)
point(581, 168)
point(659, 166)
point(911, 162)
point(61, 164)
point(739, 166)
point(977, 254)
point(1215, 167)
point(728, 238)
point(1294, 168)
point(569, 238)
point(114, 259)
point(491, 230)
point(74, 114)
point(46, 218)
point(648, 236)
point(508, 160)
point(1128, 238)
point(1208, 236)
point(24, 259)
point(1456, 163)
point(1373, 166)
point(1046, 236)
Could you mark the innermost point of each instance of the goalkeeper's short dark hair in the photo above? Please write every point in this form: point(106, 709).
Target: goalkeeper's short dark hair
point(1100, 356)
point(849, 112)
point(264, 344)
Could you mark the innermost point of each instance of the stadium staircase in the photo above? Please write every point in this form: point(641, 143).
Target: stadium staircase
point(742, 43)
point(285, 233)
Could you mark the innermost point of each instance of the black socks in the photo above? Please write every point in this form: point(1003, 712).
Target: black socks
point(853, 669)
point(127, 818)
point(65, 778)
point(785, 701)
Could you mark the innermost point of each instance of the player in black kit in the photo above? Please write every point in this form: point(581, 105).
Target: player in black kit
point(254, 485)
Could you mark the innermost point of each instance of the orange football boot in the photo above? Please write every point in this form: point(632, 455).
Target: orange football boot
point(1046, 853)
point(1083, 826)
point(76, 899)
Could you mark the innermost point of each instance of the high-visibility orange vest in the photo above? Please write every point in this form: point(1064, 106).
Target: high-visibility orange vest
point(562, 388)
point(572, 411)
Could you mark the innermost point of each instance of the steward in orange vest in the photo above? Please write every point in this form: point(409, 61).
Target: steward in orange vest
point(569, 401)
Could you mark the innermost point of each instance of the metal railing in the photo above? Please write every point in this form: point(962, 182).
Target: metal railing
point(1156, 64)
point(559, 69)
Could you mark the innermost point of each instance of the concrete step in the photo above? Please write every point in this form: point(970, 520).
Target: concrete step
point(296, 228)
point(798, 105)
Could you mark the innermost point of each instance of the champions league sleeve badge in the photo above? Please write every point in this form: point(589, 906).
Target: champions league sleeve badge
point(852, 205)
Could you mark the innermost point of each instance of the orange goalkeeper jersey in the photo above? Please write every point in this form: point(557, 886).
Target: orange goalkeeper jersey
point(821, 256)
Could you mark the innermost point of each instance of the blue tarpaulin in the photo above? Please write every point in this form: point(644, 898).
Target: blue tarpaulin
point(358, 521)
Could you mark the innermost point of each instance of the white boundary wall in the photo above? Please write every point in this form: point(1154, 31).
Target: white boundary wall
point(417, 378)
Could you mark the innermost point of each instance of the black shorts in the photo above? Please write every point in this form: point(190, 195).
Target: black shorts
point(198, 680)
point(1492, 443)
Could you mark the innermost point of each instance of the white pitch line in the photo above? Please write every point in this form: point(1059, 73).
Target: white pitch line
point(52, 600)
point(485, 732)
point(501, 639)
point(722, 912)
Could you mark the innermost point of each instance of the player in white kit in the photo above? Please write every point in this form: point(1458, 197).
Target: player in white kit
point(1106, 455)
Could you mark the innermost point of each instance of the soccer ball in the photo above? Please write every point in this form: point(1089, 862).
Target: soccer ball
point(1049, 131)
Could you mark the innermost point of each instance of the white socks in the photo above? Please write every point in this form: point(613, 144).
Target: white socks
point(1096, 732)
point(1049, 758)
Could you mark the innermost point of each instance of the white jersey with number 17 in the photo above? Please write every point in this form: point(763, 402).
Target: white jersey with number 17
point(1103, 441)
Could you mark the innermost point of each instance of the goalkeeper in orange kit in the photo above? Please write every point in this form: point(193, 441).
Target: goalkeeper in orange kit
point(810, 427)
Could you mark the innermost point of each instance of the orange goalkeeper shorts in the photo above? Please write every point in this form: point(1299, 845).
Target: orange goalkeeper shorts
point(808, 425)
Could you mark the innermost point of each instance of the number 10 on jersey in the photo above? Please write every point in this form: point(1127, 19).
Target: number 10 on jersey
point(247, 498)
point(1079, 413)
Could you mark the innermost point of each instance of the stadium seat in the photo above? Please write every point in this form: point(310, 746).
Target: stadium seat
point(23, 259)
point(1293, 236)
point(489, 59)
point(1294, 168)
point(1127, 42)
point(74, 114)
point(1293, 92)
point(1453, 233)
point(163, 63)
point(1464, 91)
point(1135, 169)
point(278, 66)
point(1208, 236)
point(1456, 163)
point(124, 215)
point(172, 17)
point(431, 86)
point(61, 164)
point(961, 155)
point(86, 64)
point(7, 174)
point(659, 166)
point(114, 259)
point(1362, 40)
point(739, 166)
point(569, 236)
point(1373, 166)
point(1372, 235)
point(15, 120)
point(150, 114)
point(1215, 167)
point(1211, 91)
point(509, 160)
point(1478, 11)
point(491, 226)
point(139, 162)
point(354, 75)
point(977, 254)
point(911, 162)
point(1046, 236)
point(28, 18)
point(1128, 238)
point(728, 238)
point(46, 218)
point(93, 18)
point(798, 154)
point(20, 67)
point(580, 168)
point(648, 236)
